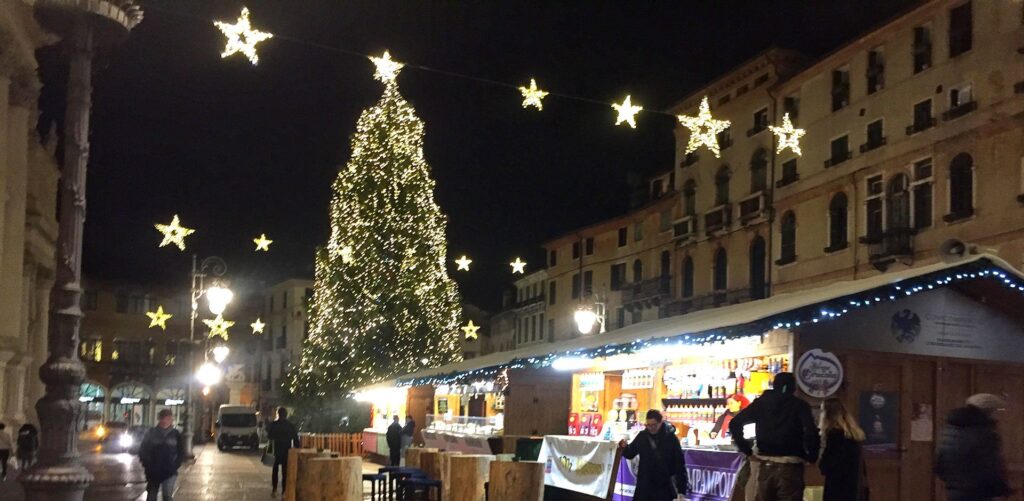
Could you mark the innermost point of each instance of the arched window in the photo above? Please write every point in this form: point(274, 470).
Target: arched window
point(897, 203)
point(721, 270)
point(638, 271)
point(837, 222)
point(687, 289)
point(722, 186)
point(961, 187)
point(759, 171)
point(130, 403)
point(665, 264)
point(690, 198)
point(758, 284)
point(787, 238)
point(93, 398)
point(172, 399)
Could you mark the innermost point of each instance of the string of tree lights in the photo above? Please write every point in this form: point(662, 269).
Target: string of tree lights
point(242, 38)
point(828, 310)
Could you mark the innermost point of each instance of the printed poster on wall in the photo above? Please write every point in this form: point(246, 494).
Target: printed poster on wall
point(578, 464)
point(712, 475)
point(879, 417)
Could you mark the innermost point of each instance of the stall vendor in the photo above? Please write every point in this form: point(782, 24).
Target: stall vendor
point(733, 406)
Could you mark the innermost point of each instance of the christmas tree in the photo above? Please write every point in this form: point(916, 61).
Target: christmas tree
point(383, 303)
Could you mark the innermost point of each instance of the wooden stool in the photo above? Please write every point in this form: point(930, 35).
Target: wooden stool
point(377, 480)
point(522, 480)
point(395, 483)
point(419, 488)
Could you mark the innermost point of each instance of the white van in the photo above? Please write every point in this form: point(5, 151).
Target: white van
point(237, 426)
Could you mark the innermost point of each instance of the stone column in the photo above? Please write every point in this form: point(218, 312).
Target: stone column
point(235, 392)
point(5, 118)
point(16, 390)
point(22, 99)
point(5, 413)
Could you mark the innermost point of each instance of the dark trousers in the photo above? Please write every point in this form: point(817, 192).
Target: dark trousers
point(281, 461)
point(780, 482)
point(396, 455)
point(5, 454)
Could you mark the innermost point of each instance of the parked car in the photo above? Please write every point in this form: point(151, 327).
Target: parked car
point(237, 426)
point(110, 429)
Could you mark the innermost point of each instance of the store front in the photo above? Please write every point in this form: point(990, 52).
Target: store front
point(466, 418)
point(130, 403)
point(93, 399)
point(172, 399)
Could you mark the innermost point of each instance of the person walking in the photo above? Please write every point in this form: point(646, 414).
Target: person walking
point(284, 435)
point(786, 437)
point(661, 460)
point(5, 451)
point(394, 438)
point(842, 461)
point(970, 458)
point(28, 443)
point(407, 433)
point(161, 453)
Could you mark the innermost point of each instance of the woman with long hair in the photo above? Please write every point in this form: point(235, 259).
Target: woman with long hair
point(842, 462)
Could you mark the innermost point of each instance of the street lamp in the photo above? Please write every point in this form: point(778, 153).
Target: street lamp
point(218, 298)
point(209, 374)
point(586, 317)
point(220, 353)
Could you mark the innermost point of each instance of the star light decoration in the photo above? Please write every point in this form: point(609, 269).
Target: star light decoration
point(262, 243)
point(158, 318)
point(518, 266)
point(470, 330)
point(463, 263)
point(532, 96)
point(627, 112)
point(174, 233)
point(258, 326)
point(703, 129)
point(789, 137)
point(346, 254)
point(241, 37)
point(219, 326)
point(387, 68)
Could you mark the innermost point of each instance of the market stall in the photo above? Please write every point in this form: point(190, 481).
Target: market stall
point(386, 401)
point(466, 418)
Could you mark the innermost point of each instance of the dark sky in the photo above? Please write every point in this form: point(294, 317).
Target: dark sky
point(237, 150)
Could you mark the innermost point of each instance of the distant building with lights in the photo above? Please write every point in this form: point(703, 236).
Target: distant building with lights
point(285, 309)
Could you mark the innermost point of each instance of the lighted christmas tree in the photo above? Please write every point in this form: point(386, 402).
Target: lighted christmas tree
point(383, 303)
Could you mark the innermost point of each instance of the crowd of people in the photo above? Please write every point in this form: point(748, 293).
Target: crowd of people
point(27, 443)
point(787, 439)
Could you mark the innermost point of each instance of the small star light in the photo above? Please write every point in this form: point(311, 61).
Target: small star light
point(703, 129)
point(262, 243)
point(627, 112)
point(219, 326)
point(470, 330)
point(463, 263)
point(242, 37)
point(158, 318)
point(174, 233)
point(518, 266)
point(258, 326)
point(387, 68)
point(532, 95)
point(789, 137)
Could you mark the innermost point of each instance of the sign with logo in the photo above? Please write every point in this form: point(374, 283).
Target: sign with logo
point(712, 475)
point(578, 464)
point(819, 373)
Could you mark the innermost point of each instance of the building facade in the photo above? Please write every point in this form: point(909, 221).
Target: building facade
point(28, 225)
point(286, 315)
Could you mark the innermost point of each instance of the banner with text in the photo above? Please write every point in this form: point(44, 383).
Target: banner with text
point(712, 475)
point(578, 464)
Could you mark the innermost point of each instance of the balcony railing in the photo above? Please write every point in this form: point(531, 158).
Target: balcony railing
point(891, 243)
point(530, 301)
point(787, 180)
point(713, 300)
point(752, 207)
point(685, 228)
point(921, 125)
point(838, 159)
point(959, 111)
point(718, 219)
point(757, 128)
point(652, 289)
point(872, 144)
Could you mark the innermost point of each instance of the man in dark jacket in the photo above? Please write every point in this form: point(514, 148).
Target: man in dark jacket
point(970, 460)
point(661, 459)
point(407, 433)
point(282, 432)
point(394, 438)
point(786, 436)
point(161, 453)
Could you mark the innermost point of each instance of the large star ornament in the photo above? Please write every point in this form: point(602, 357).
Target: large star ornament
point(219, 326)
point(470, 330)
point(789, 137)
point(627, 112)
point(258, 326)
point(242, 37)
point(262, 243)
point(703, 129)
point(158, 318)
point(174, 233)
point(518, 266)
point(387, 68)
point(532, 96)
point(463, 263)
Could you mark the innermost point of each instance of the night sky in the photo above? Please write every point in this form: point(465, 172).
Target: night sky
point(237, 150)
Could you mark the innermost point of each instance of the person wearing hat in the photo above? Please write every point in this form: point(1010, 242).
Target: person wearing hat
point(161, 453)
point(970, 460)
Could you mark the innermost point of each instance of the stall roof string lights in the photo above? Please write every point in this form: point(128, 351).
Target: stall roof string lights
point(826, 310)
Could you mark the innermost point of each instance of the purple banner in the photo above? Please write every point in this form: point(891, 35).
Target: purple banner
point(712, 475)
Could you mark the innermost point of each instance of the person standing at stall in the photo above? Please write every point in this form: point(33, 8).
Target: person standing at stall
point(661, 460)
point(970, 458)
point(786, 436)
point(842, 461)
point(407, 433)
point(394, 438)
point(284, 435)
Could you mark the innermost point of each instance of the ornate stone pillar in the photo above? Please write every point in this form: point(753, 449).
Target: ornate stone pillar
point(5, 412)
point(16, 390)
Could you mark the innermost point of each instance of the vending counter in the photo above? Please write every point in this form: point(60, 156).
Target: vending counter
point(469, 435)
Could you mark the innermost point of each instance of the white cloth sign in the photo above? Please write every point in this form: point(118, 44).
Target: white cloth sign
point(578, 464)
